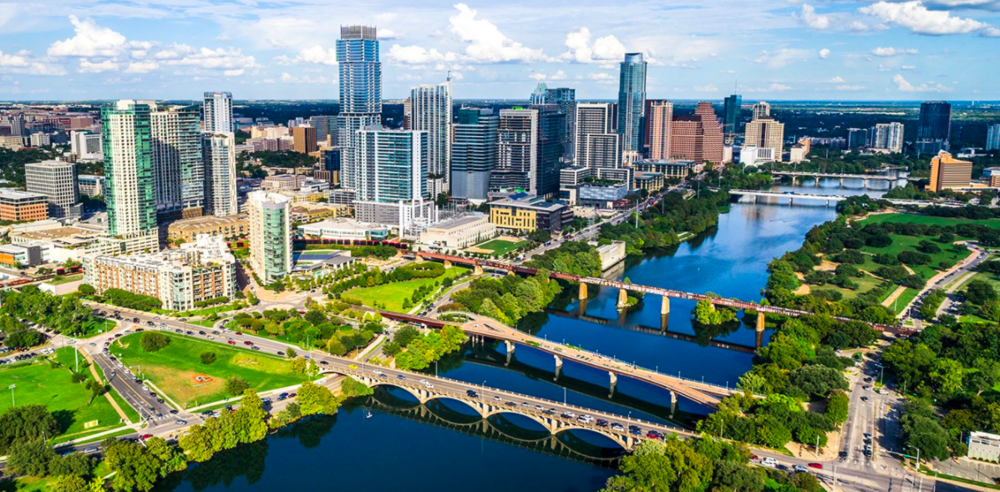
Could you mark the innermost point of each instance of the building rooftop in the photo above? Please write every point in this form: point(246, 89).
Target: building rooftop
point(20, 195)
point(206, 221)
point(523, 200)
point(459, 221)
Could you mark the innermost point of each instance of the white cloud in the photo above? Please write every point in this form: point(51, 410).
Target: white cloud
point(418, 55)
point(904, 86)
point(706, 88)
point(142, 67)
point(880, 51)
point(485, 42)
point(90, 40)
point(19, 60)
point(207, 58)
point(319, 55)
point(850, 87)
point(837, 80)
point(920, 20)
point(558, 75)
point(582, 51)
point(810, 18)
point(908, 67)
point(288, 78)
point(824, 54)
point(87, 66)
point(782, 57)
point(23, 63)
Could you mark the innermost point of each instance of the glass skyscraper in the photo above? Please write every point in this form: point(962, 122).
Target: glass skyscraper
point(934, 127)
point(631, 103)
point(360, 92)
point(473, 153)
point(732, 118)
point(128, 168)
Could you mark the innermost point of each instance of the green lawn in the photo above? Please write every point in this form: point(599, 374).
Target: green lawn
point(392, 295)
point(37, 383)
point(65, 280)
point(222, 308)
point(924, 219)
point(903, 299)
point(500, 247)
point(865, 283)
point(909, 243)
point(174, 368)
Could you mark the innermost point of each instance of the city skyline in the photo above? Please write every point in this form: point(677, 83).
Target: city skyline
point(851, 51)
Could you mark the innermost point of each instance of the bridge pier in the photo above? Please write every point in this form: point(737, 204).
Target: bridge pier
point(864, 183)
point(559, 363)
point(582, 294)
point(665, 305)
point(614, 382)
point(760, 322)
point(510, 350)
point(664, 321)
point(673, 402)
point(841, 182)
point(447, 264)
point(622, 299)
point(477, 269)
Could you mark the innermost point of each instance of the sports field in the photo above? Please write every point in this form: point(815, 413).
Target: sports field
point(393, 294)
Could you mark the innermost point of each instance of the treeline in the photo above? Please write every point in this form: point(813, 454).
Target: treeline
point(317, 328)
point(506, 300)
point(372, 278)
point(574, 257)
point(701, 464)
point(422, 350)
point(130, 300)
point(64, 314)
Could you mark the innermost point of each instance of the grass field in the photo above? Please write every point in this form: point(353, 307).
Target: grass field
point(392, 295)
point(173, 369)
point(865, 283)
point(500, 247)
point(38, 383)
point(924, 219)
point(909, 243)
point(65, 280)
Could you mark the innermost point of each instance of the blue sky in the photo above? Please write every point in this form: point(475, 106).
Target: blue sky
point(283, 49)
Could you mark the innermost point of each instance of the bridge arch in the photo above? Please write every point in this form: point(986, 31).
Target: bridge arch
point(615, 437)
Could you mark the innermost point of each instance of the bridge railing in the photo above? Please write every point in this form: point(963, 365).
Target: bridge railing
point(546, 402)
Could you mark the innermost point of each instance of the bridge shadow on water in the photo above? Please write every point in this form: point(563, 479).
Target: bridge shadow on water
point(508, 428)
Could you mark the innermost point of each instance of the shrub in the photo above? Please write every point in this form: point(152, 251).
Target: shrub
point(152, 341)
point(236, 385)
point(208, 357)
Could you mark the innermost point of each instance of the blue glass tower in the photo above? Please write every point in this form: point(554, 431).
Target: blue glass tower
point(360, 92)
point(631, 102)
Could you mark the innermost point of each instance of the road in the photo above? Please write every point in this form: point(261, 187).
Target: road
point(942, 282)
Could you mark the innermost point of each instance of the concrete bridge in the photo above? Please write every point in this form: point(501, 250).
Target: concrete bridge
point(554, 417)
point(756, 194)
point(865, 178)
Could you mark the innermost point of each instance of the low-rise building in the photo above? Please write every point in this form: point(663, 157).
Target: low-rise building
point(229, 226)
point(669, 168)
point(60, 244)
point(651, 182)
point(21, 206)
point(459, 232)
point(285, 182)
point(91, 185)
point(307, 213)
point(984, 446)
point(992, 176)
point(521, 212)
point(755, 156)
point(305, 196)
point(345, 230)
point(601, 195)
point(20, 256)
point(198, 271)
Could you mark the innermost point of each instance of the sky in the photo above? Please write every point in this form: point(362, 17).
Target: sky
point(696, 49)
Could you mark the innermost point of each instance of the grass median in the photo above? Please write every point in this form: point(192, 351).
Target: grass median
point(178, 370)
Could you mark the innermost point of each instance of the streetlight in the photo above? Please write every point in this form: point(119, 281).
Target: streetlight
point(918, 457)
point(11, 388)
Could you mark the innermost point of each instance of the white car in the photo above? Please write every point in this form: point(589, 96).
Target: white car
point(769, 462)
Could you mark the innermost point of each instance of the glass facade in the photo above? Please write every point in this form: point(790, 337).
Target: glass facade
point(631, 101)
point(128, 167)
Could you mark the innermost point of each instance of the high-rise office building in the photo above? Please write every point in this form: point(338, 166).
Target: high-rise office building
point(517, 151)
point(538, 95)
point(551, 148)
point(993, 137)
point(887, 137)
point(178, 172)
point(631, 105)
point(217, 112)
point(934, 127)
point(732, 117)
point(326, 129)
point(270, 234)
point(430, 107)
point(394, 163)
point(597, 145)
point(219, 157)
point(360, 74)
point(659, 127)
point(764, 131)
point(473, 153)
point(761, 110)
point(948, 173)
point(128, 168)
point(857, 138)
point(304, 139)
point(697, 137)
point(56, 180)
point(565, 99)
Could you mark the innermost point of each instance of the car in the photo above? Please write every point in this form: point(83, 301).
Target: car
point(868, 379)
point(866, 388)
point(172, 412)
point(867, 435)
point(769, 462)
point(430, 386)
point(617, 427)
point(818, 466)
point(843, 455)
point(230, 342)
point(325, 363)
point(399, 376)
point(510, 404)
point(152, 393)
point(254, 348)
point(145, 436)
point(248, 343)
point(800, 468)
point(180, 422)
point(864, 398)
point(602, 423)
point(568, 415)
point(90, 450)
point(178, 330)
point(280, 353)
point(471, 394)
point(201, 333)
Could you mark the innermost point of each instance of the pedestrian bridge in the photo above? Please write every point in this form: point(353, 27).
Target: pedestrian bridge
point(554, 417)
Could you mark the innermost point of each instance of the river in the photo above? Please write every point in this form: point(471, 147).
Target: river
point(444, 448)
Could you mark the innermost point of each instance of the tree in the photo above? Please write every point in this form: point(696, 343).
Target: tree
point(290, 353)
point(23, 338)
point(733, 476)
point(25, 423)
point(30, 458)
point(136, 468)
point(208, 357)
point(837, 407)
point(947, 374)
point(979, 292)
point(818, 380)
point(151, 341)
point(314, 399)
point(86, 289)
point(236, 385)
point(69, 483)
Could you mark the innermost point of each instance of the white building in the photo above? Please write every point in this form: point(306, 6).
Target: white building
point(219, 155)
point(86, 145)
point(128, 166)
point(270, 234)
point(344, 230)
point(887, 137)
point(217, 113)
point(459, 232)
point(90, 184)
point(56, 180)
point(755, 156)
point(431, 112)
point(984, 446)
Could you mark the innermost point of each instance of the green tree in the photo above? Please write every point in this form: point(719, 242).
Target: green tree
point(314, 399)
point(151, 341)
point(30, 458)
point(135, 468)
point(86, 289)
point(208, 357)
point(734, 476)
point(25, 423)
point(817, 380)
point(236, 385)
point(837, 407)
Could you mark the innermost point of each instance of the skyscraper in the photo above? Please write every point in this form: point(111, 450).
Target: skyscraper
point(597, 145)
point(949, 173)
point(517, 151)
point(304, 139)
point(565, 99)
point(732, 118)
point(857, 138)
point(761, 109)
point(764, 131)
point(217, 112)
point(697, 137)
point(56, 180)
point(539, 94)
point(270, 235)
point(219, 157)
point(551, 148)
point(474, 153)
point(360, 92)
point(934, 127)
point(430, 107)
point(178, 172)
point(394, 163)
point(888, 137)
point(631, 104)
point(993, 136)
point(128, 168)
point(326, 129)
point(659, 127)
